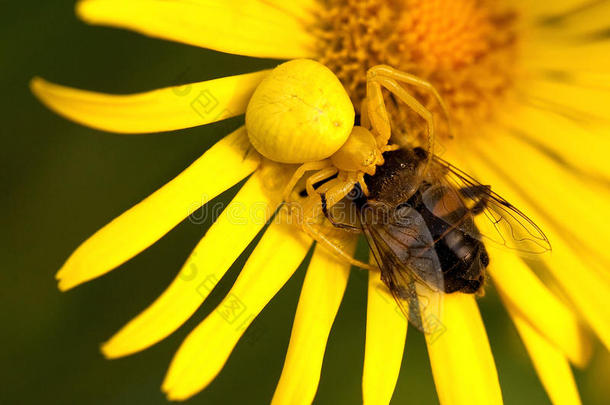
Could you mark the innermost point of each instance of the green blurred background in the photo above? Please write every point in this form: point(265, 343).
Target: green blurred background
point(63, 181)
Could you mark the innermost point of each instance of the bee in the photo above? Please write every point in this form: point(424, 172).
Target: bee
point(419, 221)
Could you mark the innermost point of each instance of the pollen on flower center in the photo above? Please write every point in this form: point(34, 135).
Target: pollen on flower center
point(446, 33)
point(466, 48)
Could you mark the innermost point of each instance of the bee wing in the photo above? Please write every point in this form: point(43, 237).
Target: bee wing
point(458, 197)
point(409, 268)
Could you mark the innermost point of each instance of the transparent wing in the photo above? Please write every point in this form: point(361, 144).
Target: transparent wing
point(404, 252)
point(455, 197)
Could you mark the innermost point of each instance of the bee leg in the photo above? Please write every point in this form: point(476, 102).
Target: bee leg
point(300, 172)
point(347, 227)
point(408, 78)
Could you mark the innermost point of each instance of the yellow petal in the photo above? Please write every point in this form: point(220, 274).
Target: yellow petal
point(244, 27)
point(462, 363)
point(561, 137)
point(234, 229)
point(319, 302)
point(222, 166)
point(386, 333)
point(296, 5)
point(587, 105)
point(301, 10)
point(542, 54)
point(585, 288)
point(550, 364)
point(165, 109)
point(540, 9)
point(207, 348)
point(583, 21)
point(525, 295)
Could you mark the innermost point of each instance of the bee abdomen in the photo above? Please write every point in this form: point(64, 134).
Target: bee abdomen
point(463, 248)
point(463, 258)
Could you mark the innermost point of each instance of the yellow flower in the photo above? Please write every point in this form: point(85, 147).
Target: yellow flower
point(527, 86)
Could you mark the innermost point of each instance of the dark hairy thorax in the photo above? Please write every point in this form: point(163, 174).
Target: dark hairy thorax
point(400, 183)
point(399, 177)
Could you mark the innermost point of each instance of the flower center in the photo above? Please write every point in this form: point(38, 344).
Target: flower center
point(465, 48)
point(445, 34)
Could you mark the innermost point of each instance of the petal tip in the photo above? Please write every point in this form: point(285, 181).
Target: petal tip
point(168, 388)
point(108, 350)
point(46, 92)
point(119, 345)
point(67, 278)
point(174, 397)
point(37, 86)
point(64, 284)
point(583, 357)
point(176, 392)
point(83, 9)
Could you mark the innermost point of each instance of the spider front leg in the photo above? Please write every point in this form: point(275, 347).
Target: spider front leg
point(319, 237)
point(362, 183)
point(391, 85)
point(364, 113)
point(375, 113)
point(311, 212)
point(391, 73)
point(318, 177)
point(300, 172)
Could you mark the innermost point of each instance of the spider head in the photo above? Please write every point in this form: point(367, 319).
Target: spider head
point(360, 153)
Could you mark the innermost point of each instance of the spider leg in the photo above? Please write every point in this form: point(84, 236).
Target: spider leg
point(412, 102)
point(334, 192)
point(353, 177)
point(311, 208)
point(377, 113)
point(300, 172)
point(363, 186)
point(389, 148)
point(321, 175)
point(332, 247)
point(384, 70)
point(338, 189)
point(364, 115)
point(333, 183)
